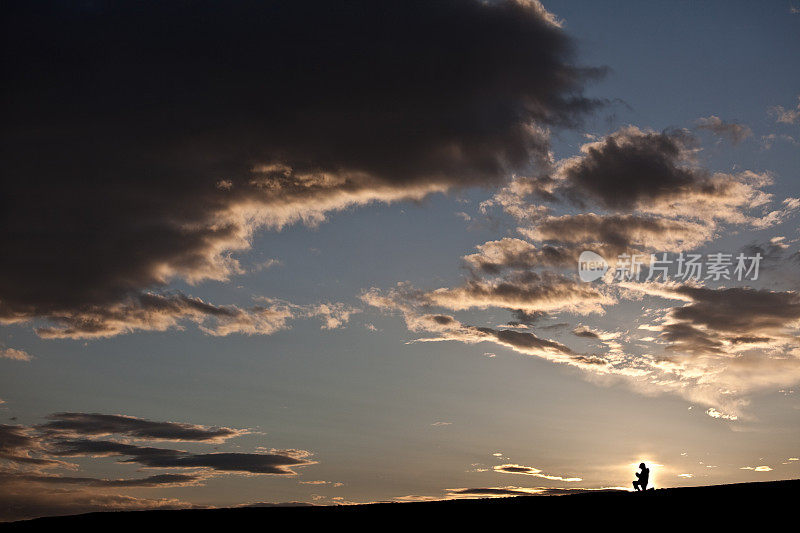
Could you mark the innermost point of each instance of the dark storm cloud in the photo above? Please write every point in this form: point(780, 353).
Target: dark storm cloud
point(144, 141)
point(140, 428)
point(279, 462)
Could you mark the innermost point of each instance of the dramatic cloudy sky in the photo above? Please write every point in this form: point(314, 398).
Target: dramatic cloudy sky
point(269, 252)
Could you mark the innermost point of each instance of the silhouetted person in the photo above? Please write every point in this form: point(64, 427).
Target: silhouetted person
point(642, 477)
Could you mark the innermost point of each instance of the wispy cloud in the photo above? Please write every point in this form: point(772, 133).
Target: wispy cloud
point(732, 131)
point(763, 468)
point(786, 116)
point(531, 471)
point(28, 486)
point(161, 312)
point(98, 424)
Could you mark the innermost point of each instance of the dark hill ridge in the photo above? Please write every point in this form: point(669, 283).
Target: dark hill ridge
point(761, 505)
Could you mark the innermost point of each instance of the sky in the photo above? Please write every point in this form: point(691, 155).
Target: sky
point(261, 252)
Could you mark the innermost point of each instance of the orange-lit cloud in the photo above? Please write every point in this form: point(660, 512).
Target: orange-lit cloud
point(531, 471)
point(15, 354)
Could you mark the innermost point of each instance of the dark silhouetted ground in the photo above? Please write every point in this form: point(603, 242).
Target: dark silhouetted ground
point(740, 506)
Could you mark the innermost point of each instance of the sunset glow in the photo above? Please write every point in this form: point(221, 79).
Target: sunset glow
point(326, 253)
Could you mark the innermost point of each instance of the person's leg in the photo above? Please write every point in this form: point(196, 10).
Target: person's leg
point(635, 485)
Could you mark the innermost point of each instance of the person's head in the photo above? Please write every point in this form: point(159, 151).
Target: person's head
point(641, 465)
